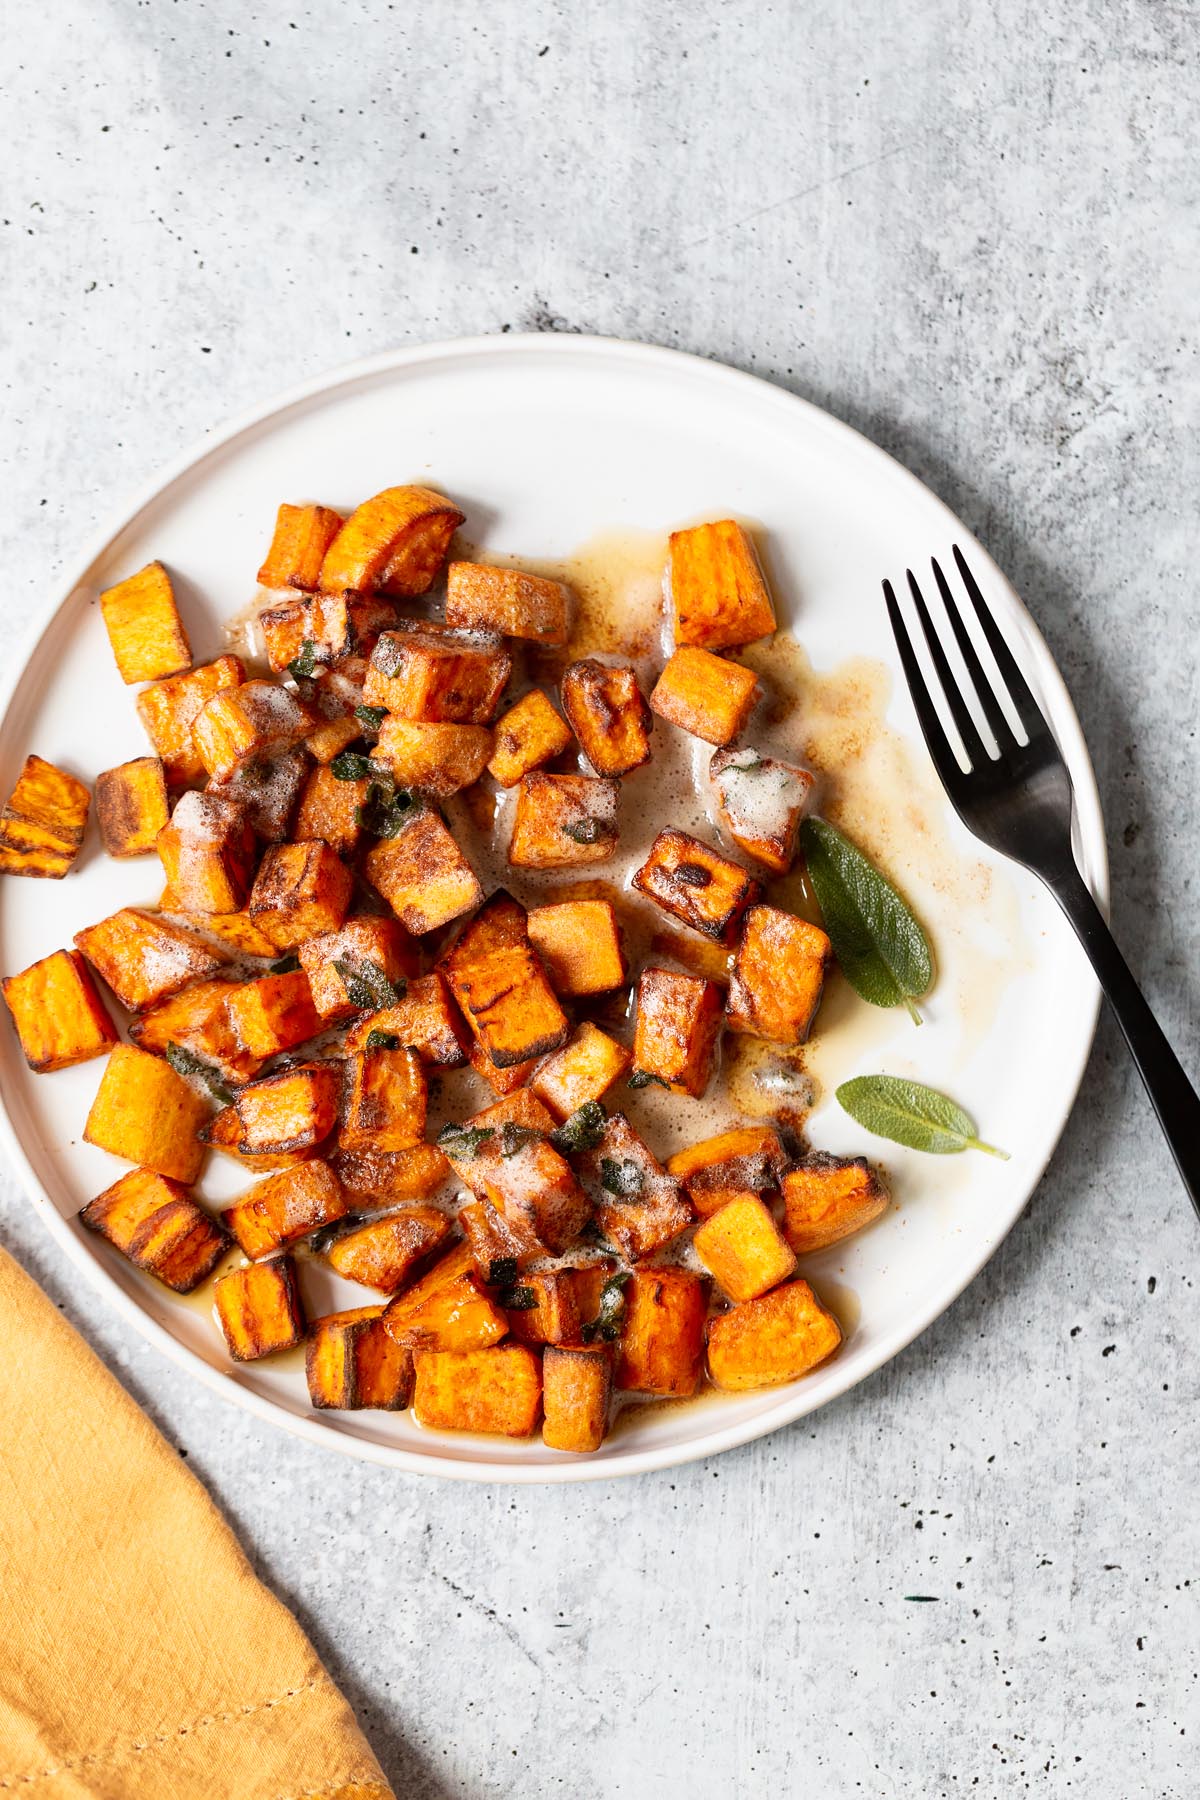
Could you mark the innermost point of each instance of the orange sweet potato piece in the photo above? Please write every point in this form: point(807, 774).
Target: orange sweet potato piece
point(777, 1338)
point(584, 1069)
point(761, 802)
point(828, 1198)
point(662, 1342)
point(423, 875)
point(747, 1160)
point(329, 808)
point(499, 982)
point(254, 721)
point(187, 1018)
point(290, 1111)
point(607, 711)
point(302, 536)
point(778, 977)
point(329, 739)
point(301, 890)
point(431, 758)
point(144, 957)
point(639, 1207)
point(697, 884)
point(563, 820)
point(42, 825)
point(131, 806)
point(385, 1100)
point(577, 1397)
point(208, 853)
point(168, 708)
point(394, 543)
point(319, 631)
point(678, 1023)
point(144, 627)
point(284, 1208)
point(60, 1018)
point(425, 671)
point(718, 594)
point(268, 790)
point(426, 1020)
point(155, 1223)
point(498, 1251)
point(579, 941)
point(706, 695)
point(385, 1253)
point(482, 598)
point(224, 1132)
point(503, 1156)
point(356, 968)
point(501, 1081)
point(264, 1018)
point(455, 1315)
point(351, 1363)
point(146, 1113)
point(744, 1249)
point(493, 1391)
point(260, 1310)
point(527, 735)
point(375, 1180)
point(542, 1308)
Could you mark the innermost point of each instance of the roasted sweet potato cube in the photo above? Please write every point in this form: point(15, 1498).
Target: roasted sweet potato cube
point(705, 694)
point(678, 1023)
point(359, 968)
point(639, 1207)
point(60, 1018)
point(329, 809)
point(541, 1308)
point(190, 1019)
point(761, 802)
point(290, 1111)
point(578, 1384)
point(426, 1020)
point(423, 875)
point(209, 853)
point(828, 1198)
point(697, 884)
point(260, 1310)
point(146, 1113)
point(699, 956)
point(268, 1016)
point(774, 1339)
point(285, 1207)
point(499, 1253)
point(494, 1391)
point(502, 1155)
point(527, 735)
point(499, 982)
point(144, 627)
point(394, 543)
point(233, 931)
point(563, 820)
point(156, 1224)
point(224, 1132)
point(744, 1249)
point(584, 1069)
point(375, 1179)
point(718, 594)
point(253, 722)
point(330, 738)
point(302, 536)
point(746, 1161)
point(269, 791)
point(168, 708)
point(385, 1253)
point(607, 711)
point(351, 1363)
point(425, 671)
point(131, 806)
point(778, 976)
point(312, 632)
point(301, 890)
point(455, 1315)
point(433, 758)
point(501, 1081)
point(662, 1341)
point(144, 957)
point(385, 1100)
point(482, 598)
point(590, 1280)
point(42, 826)
point(580, 943)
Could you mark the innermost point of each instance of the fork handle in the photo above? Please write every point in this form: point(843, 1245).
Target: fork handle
point(1172, 1095)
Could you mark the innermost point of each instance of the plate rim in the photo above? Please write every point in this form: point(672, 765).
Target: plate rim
point(1089, 814)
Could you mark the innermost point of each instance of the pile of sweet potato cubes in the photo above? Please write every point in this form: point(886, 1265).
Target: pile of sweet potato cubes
point(324, 948)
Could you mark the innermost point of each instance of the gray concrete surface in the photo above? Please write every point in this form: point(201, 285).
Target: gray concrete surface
point(971, 230)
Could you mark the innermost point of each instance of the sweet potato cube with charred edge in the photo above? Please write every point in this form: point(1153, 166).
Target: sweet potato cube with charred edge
point(718, 593)
point(131, 806)
point(42, 826)
point(577, 1397)
point(499, 982)
point(662, 1342)
point(482, 598)
point(284, 1208)
point(744, 1249)
point(385, 1253)
point(60, 1018)
point(584, 1069)
point(146, 1113)
point(208, 853)
point(828, 1198)
point(563, 820)
point(143, 957)
point(385, 1098)
point(224, 1132)
point(639, 1207)
point(376, 1180)
point(527, 735)
point(589, 1281)
point(697, 884)
point(289, 1111)
point(302, 536)
point(580, 943)
point(761, 802)
point(706, 695)
point(394, 543)
point(260, 1310)
point(264, 1018)
point(699, 956)
point(190, 1018)
point(744, 1162)
point(455, 1315)
point(168, 708)
point(502, 1155)
point(258, 720)
point(329, 809)
point(497, 1249)
point(330, 738)
point(351, 1363)
point(236, 931)
point(501, 1081)
point(318, 631)
point(301, 890)
point(541, 1308)
point(494, 1391)
point(678, 1023)
point(765, 1342)
point(425, 1020)
point(607, 711)
point(425, 671)
point(778, 977)
point(156, 1224)
point(144, 627)
point(431, 758)
point(355, 969)
point(423, 875)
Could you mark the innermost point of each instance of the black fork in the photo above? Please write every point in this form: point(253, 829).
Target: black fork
point(1017, 797)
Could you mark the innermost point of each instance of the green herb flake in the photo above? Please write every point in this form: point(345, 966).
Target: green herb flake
point(518, 1299)
point(352, 765)
point(880, 947)
point(303, 667)
point(285, 965)
point(514, 1137)
point(911, 1114)
point(185, 1063)
point(625, 1177)
point(385, 811)
point(585, 831)
point(502, 1271)
point(370, 717)
point(582, 1131)
point(641, 1078)
point(464, 1141)
point(366, 985)
point(382, 1040)
point(606, 1326)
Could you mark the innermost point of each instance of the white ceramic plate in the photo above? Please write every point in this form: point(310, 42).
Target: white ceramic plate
point(545, 441)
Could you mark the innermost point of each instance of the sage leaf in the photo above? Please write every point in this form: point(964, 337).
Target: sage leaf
point(366, 984)
point(464, 1141)
point(909, 1113)
point(606, 1326)
point(582, 1130)
point(880, 946)
point(185, 1062)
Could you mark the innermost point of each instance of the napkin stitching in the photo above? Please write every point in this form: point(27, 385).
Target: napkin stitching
point(163, 1737)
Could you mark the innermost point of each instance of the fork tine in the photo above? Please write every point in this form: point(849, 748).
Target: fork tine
point(996, 717)
point(1028, 710)
point(968, 731)
point(937, 743)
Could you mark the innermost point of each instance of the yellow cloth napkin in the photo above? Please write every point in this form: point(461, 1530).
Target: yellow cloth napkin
point(139, 1656)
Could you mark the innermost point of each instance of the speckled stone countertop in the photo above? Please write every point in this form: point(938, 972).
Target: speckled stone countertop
point(970, 230)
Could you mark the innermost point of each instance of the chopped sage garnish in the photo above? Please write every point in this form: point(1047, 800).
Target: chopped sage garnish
point(385, 811)
point(370, 717)
point(352, 765)
point(284, 965)
point(366, 984)
point(582, 1131)
point(303, 667)
point(514, 1137)
point(606, 1326)
point(382, 1040)
point(502, 1271)
point(585, 831)
point(641, 1078)
point(623, 1177)
point(518, 1299)
point(185, 1063)
point(464, 1141)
